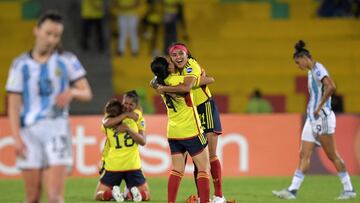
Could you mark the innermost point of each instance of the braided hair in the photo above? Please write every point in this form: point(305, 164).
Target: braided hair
point(159, 66)
point(300, 50)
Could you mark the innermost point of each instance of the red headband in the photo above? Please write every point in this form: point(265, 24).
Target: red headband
point(178, 46)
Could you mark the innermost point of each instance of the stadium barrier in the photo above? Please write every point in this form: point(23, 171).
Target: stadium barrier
point(251, 145)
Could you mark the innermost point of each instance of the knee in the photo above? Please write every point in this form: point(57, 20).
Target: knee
point(304, 156)
point(333, 157)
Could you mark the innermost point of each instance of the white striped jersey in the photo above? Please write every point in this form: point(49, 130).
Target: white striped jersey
point(39, 84)
point(316, 90)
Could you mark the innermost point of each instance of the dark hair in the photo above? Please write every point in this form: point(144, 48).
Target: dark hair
point(300, 51)
point(159, 66)
point(132, 94)
point(50, 15)
point(113, 108)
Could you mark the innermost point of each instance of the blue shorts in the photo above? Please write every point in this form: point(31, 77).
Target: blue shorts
point(132, 178)
point(193, 145)
point(210, 117)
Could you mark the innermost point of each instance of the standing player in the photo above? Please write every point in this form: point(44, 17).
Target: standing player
point(122, 159)
point(206, 107)
point(184, 131)
point(40, 86)
point(319, 127)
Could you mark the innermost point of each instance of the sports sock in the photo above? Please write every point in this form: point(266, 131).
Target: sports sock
point(107, 195)
point(195, 178)
point(173, 185)
point(216, 176)
point(204, 186)
point(345, 180)
point(296, 181)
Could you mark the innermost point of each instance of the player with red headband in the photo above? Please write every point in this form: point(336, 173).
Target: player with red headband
point(206, 107)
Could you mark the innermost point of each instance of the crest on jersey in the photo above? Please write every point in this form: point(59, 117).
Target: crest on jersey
point(189, 70)
point(58, 72)
point(143, 123)
point(318, 73)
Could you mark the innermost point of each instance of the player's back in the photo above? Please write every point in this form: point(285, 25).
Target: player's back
point(123, 154)
point(183, 119)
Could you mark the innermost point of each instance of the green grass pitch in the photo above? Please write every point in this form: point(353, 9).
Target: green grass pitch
point(319, 189)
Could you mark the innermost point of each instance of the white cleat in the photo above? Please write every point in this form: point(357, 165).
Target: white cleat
point(136, 194)
point(117, 195)
point(347, 195)
point(284, 194)
point(217, 199)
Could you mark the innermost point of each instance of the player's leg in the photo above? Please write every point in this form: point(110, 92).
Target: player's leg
point(306, 148)
point(108, 186)
point(176, 174)
point(202, 162)
point(328, 144)
point(137, 188)
point(32, 179)
point(103, 192)
point(55, 177)
point(31, 167)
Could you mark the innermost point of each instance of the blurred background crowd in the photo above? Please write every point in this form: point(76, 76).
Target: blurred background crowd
point(246, 45)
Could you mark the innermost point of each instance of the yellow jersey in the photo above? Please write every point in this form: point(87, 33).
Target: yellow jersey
point(141, 121)
point(200, 93)
point(90, 11)
point(122, 153)
point(183, 119)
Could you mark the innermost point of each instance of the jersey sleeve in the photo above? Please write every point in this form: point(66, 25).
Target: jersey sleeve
point(141, 122)
point(193, 69)
point(321, 72)
point(15, 78)
point(74, 67)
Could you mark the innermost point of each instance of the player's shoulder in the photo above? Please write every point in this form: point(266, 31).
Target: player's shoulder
point(67, 55)
point(22, 58)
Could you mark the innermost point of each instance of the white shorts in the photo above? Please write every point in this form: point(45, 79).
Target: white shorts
point(48, 143)
point(324, 125)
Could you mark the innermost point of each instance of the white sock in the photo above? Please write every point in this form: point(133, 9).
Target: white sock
point(297, 180)
point(345, 180)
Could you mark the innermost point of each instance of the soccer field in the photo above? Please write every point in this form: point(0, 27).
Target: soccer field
point(255, 189)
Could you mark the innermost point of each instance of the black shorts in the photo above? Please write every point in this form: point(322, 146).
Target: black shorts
point(132, 178)
point(193, 145)
point(210, 117)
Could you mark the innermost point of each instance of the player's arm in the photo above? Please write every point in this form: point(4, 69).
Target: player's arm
point(110, 122)
point(329, 87)
point(14, 101)
point(79, 90)
point(137, 137)
point(189, 82)
point(205, 80)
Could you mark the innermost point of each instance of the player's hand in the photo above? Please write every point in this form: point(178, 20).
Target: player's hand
point(154, 83)
point(160, 89)
point(132, 115)
point(20, 147)
point(203, 73)
point(122, 128)
point(64, 98)
point(317, 113)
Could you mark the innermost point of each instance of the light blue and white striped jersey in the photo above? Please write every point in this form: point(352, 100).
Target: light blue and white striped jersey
point(39, 84)
point(316, 90)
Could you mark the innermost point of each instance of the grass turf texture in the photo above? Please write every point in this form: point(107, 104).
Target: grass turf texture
point(320, 189)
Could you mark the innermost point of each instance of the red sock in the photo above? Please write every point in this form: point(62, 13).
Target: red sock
point(204, 186)
point(216, 176)
point(107, 195)
point(145, 195)
point(195, 178)
point(173, 185)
